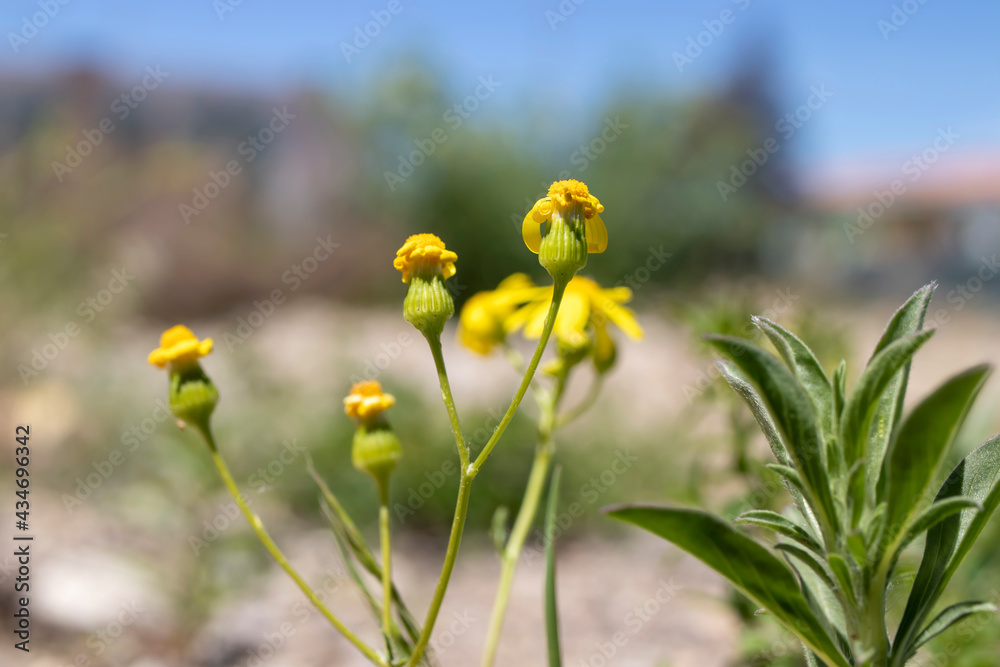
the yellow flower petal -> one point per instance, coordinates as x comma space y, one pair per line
367, 400
424, 252
531, 229
597, 235
178, 344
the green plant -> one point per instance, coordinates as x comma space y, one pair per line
861, 477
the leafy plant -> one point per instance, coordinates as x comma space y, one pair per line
861, 476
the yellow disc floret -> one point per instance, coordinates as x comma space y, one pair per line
367, 401
179, 345
425, 253
563, 196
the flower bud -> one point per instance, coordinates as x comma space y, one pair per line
193, 396
376, 450
426, 263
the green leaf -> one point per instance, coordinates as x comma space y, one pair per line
793, 413
938, 512
950, 617
732, 375
948, 542
779, 524
803, 363
924, 438
842, 573
863, 401
861, 409
808, 559
907, 320
839, 390
750, 567
551, 606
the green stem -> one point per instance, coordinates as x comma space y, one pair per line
558, 289
587, 403
454, 541
449, 400
525, 519
258, 528
383, 520
470, 471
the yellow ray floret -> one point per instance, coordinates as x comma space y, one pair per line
424, 252
483, 322
179, 345
585, 304
563, 195
367, 400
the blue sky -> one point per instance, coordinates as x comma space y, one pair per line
891, 91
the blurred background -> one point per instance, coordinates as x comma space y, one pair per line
249, 169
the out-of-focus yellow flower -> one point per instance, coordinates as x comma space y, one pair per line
425, 253
483, 321
179, 345
562, 198
367, 401
583, 317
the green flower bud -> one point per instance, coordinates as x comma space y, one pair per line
428, 305
376, 450
563, 249
193, 395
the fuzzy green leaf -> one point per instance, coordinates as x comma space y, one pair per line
779, 524
938, 512
907, 320
750, 567
732, 375
948, 542
793, 413
924, 438
950, 617
803, 363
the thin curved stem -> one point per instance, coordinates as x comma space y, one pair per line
258, 528
558, 289
383, 520
525, 519
454, 541
449, 400
588, 402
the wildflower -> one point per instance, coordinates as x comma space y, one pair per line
193, 395
426, 263
582, 320
367, 401
483, 321
178, 345
563, 227
376, 449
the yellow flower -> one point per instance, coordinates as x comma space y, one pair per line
483, 322
583, 317
180, 346
367, 401
425, 253
564, 196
